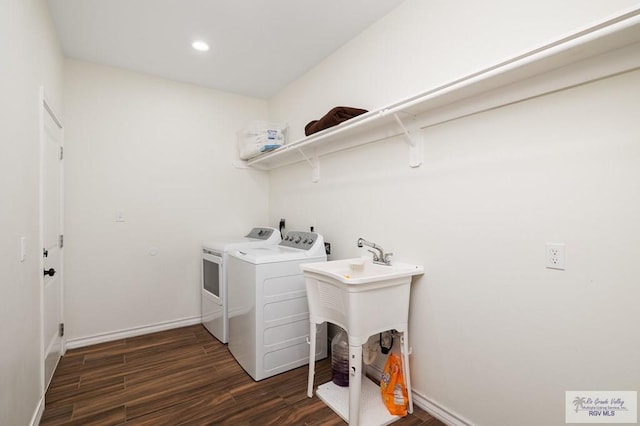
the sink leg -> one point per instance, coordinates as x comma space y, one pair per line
405, 367
312, 358
355, 383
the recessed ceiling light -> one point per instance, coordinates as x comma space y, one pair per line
200, 45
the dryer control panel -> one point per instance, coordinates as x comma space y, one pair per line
300, 240
260, 233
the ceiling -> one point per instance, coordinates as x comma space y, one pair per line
257, 46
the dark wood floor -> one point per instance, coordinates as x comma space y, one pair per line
182, 377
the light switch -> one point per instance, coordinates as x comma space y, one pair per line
23, 248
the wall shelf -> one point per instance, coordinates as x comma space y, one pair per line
607, 48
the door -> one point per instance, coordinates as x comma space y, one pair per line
212, 274
52, 239
213, 295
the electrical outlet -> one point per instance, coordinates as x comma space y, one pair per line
555, 255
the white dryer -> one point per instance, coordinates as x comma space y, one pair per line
268, 308
214, 276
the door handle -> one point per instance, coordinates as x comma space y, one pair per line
51, 272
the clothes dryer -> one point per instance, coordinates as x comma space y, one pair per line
214, 276
268, 308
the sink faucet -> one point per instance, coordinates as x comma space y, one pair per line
380, 257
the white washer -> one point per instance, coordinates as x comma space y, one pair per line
214, 304
269, 326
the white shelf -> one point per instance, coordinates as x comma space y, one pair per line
606, 48
373, 412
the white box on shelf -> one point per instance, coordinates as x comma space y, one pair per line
259, 137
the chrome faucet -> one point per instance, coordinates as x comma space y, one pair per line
380, 257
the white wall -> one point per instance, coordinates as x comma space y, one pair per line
162, 152
31, 58
497, 337
423, 44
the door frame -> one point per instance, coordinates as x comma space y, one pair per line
46, 108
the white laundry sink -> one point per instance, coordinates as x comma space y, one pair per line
360, 296
361, 271
364, 298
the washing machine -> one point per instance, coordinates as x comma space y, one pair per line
215, 309
269, 326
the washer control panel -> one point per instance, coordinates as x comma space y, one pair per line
299, 240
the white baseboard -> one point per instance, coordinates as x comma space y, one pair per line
434, 409
130, 332
37, 415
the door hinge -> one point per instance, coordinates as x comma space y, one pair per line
61, 152
61, 329
61, 241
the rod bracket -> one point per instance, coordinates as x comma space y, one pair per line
314, 162
414, 140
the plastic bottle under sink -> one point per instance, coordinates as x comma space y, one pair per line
340, 359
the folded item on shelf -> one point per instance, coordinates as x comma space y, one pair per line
259, 137
334, 117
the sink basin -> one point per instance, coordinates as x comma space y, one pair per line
360, 296
359, 271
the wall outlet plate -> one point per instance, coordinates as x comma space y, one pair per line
555, 256
23, 248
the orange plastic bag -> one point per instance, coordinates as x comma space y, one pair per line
393, 388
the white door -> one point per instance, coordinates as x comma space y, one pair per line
52, 243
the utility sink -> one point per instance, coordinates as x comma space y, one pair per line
364, 298
362, 271
360, 296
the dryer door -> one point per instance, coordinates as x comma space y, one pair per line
212, 274
213, 299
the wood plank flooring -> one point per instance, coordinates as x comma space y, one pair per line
182, 377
